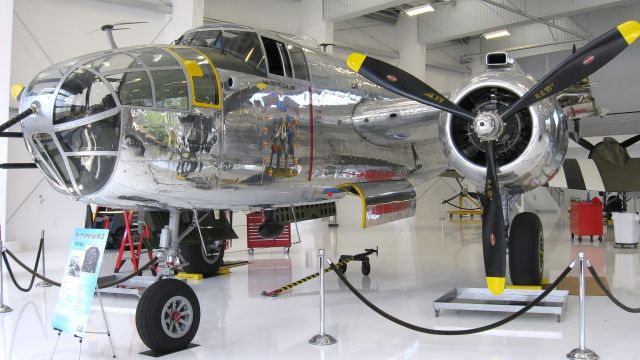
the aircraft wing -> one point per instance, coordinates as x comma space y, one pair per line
598, 175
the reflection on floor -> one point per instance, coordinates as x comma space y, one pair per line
420, 259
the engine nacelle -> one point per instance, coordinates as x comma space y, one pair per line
532, 145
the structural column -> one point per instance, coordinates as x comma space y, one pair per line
187, 14
413, 55
311, 22
6, 34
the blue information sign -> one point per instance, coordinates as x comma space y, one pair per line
79, 280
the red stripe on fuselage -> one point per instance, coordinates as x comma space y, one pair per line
310, 133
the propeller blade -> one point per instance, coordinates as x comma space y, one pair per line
494, 244
625, 144
578, 65
129, 23
114, 29
403, 83
582, 142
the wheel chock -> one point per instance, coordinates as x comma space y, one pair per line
189, 276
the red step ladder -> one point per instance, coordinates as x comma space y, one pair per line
135, 247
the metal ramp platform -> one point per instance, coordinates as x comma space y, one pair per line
510, 301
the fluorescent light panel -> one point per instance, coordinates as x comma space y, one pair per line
419, 10
496, 34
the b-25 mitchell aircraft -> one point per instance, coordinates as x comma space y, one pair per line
231, 118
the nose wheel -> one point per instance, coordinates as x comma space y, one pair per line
168, 316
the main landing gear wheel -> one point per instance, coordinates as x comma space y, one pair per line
526, 249
168, 316
199, 262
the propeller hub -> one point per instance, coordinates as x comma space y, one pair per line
488, 126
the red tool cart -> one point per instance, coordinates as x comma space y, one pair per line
586, 219
254, 240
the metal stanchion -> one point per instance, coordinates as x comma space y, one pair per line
43, 283
322, 338
3, 308
582, 352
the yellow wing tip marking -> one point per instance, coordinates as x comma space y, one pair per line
495, 284
355, 60
16, 90
630, 30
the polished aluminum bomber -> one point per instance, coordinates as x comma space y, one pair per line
545, 149
266, 141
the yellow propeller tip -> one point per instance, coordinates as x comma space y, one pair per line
630, 30
495, 285
355, 60
16, 91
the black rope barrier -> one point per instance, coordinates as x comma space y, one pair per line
452, 332
598, 280
35, 269
55, 283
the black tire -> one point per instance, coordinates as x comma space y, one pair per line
198, 262
155, 309
366, 268
342, 267
526, 249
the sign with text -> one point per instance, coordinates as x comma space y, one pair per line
79, 280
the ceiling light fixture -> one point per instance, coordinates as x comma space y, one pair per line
420, 10
496, 34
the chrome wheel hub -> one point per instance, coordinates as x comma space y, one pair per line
177, 317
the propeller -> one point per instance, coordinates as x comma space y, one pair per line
114, 26
403, 83
630, 141
582, 142
488, 126
578, 65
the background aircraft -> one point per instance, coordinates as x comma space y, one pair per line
233, 118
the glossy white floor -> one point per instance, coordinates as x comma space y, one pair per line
420, 259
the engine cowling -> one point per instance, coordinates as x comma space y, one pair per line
533, 143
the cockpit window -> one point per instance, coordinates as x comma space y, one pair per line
112, 62
205, 84
133, 88
45, 83
101, 135
49, 152
278, 57
299, 63
171, 89
91, 173
153, 56
205, 38
82, 94
244, 45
